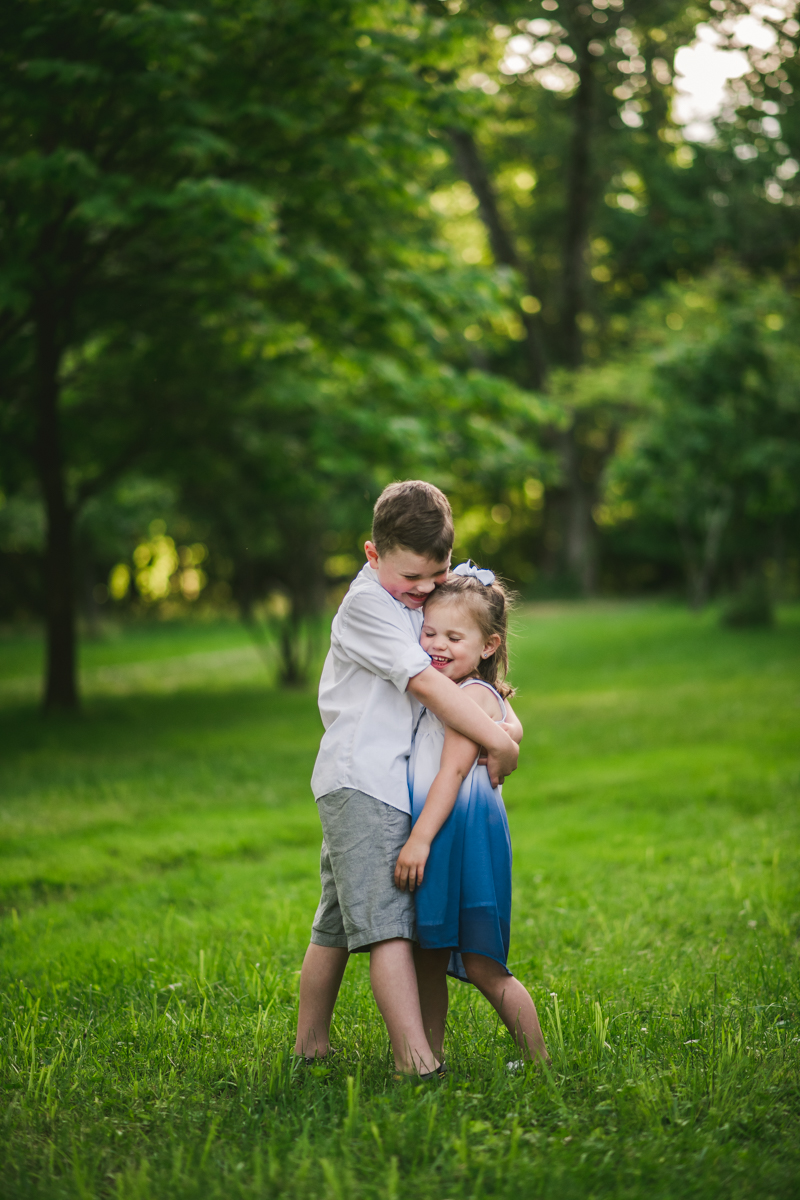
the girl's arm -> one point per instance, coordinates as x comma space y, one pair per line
458, 755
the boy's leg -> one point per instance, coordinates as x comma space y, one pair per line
362, 908
320, 979
323, 967
431, 966
394, 985
511, 1001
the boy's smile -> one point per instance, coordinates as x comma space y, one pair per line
407, 576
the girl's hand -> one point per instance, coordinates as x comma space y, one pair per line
410, 867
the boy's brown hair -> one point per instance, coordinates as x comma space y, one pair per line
413, 515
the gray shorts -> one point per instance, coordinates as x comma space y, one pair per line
360, 903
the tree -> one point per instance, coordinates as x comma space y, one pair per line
590, 191
286, 495
207, 213
712, 467
122, 168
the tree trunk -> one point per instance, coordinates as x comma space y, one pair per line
471, 167
580, 532
579, 527
692, 566
60, 684
578, 211
700, 562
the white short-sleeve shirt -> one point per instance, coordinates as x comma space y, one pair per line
367, 713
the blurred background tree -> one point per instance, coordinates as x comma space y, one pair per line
258, 259
710, 472
192, 197
590, 190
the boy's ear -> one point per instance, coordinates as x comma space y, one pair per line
371, 551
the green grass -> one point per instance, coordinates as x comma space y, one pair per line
158, 876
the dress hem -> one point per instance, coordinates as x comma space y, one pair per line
460, 951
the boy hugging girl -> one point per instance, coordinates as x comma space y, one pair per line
416, 854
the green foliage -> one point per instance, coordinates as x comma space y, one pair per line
751, 607
217, 274
159, 877
646, 204
196, 192
715, 457
585, 184
621, 209
257, 259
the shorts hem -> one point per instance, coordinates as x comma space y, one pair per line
335, 941
363, 940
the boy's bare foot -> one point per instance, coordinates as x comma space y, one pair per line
437, 1073
312, 1060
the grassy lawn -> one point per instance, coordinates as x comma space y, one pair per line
158, 876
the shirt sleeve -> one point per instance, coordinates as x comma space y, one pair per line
379, 639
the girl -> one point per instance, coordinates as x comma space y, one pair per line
458, 857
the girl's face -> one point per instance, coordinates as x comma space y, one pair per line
450, 634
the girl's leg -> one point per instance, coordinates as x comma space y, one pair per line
431, 968
512, 1002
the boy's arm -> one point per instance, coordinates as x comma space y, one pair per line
512, 724
455, 709
458, 755
513, 728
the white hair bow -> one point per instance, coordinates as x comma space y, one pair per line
469, 568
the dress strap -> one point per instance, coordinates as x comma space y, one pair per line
494, 691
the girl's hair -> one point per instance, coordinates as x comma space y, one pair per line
489, 604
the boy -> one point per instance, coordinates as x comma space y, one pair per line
374, 680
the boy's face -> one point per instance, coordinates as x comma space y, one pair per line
407, 576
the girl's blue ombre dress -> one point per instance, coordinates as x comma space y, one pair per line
464, 902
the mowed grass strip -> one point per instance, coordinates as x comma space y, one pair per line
158, 876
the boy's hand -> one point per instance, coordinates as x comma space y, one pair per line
410, 867
514, 731
502, 762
